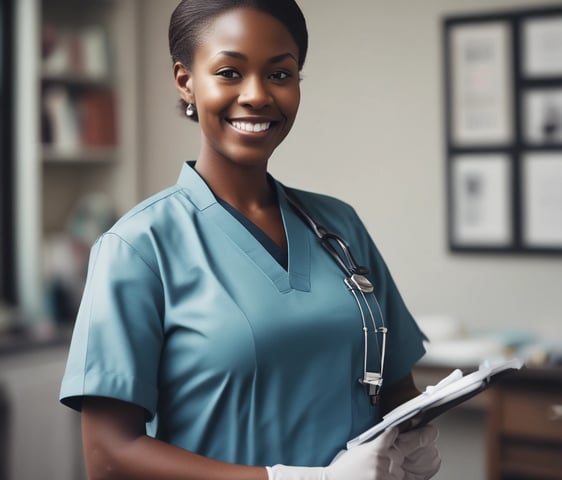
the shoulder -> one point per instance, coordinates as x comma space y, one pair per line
156, 215
316, 199
332, 212
145, 227
149, 211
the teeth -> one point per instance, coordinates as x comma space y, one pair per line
251, 127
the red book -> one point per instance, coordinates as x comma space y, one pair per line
98, 118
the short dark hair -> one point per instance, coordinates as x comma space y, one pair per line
190, 17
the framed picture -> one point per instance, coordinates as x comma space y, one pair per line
503, 131
480, 68
542, 200
542, 46
481, 200
542, 116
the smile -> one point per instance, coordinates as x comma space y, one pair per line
251, 127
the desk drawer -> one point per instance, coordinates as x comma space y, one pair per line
529, 460
532, 414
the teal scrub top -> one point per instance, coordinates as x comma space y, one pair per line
233, 357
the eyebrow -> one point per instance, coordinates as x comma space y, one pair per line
241, 56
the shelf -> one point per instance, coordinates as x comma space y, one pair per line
78, 80
78, 124
87, 156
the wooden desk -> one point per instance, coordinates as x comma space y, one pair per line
523, 421
525, 426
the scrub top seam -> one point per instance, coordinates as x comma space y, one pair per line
254, 346
137, 254
88, 329
148, 203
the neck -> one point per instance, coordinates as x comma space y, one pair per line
246, 188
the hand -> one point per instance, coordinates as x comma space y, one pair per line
421, 457
378, 459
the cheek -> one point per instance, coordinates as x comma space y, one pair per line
288, 100
213, 97
291, 103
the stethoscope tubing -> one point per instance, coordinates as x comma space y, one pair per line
355, 280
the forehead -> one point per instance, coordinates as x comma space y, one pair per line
248, 31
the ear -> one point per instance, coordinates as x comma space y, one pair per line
184, 82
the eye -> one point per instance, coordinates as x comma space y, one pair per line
228, 73
280, 75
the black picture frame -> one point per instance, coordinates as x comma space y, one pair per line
7, 164
503, 130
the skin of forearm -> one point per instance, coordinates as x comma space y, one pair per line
148, 458
116, 447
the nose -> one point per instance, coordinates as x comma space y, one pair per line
255, 93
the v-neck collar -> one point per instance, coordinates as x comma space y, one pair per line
297, 276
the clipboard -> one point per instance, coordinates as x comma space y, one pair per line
435, 400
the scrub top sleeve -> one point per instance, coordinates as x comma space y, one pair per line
404, 339
117, 339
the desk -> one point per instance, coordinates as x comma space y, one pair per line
43, 437
525, 426
523, 415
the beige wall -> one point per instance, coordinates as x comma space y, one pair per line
370, 130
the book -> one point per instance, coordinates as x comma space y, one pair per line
435, 400
98, 118
61, 126
82, 52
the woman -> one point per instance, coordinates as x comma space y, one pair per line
213, 312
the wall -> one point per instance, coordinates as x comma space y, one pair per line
370, 130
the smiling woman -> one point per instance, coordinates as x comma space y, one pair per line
212, 311
244, 76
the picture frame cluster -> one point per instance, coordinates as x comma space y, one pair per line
503, 130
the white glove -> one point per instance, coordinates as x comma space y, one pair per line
421, 457
378, 459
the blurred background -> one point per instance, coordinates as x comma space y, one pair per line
89, 126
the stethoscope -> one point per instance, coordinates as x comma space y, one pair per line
356, 281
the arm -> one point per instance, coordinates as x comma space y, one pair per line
116, 447
398, 393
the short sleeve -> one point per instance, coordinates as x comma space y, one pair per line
118, 335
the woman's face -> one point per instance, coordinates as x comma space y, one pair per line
245, 83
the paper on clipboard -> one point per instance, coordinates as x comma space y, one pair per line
437, 399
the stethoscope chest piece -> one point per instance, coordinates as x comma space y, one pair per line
374, 380
359, 282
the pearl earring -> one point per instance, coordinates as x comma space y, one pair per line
190, 110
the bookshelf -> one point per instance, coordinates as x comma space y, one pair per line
78, 90
77, 126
